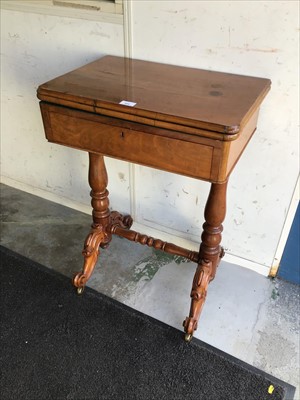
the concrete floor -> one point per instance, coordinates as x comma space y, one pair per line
246, 315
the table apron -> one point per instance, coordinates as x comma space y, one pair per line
180, 153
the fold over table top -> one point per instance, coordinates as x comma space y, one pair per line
163, 95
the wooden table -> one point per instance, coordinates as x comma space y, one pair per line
183, 120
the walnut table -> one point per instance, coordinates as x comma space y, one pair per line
183, 120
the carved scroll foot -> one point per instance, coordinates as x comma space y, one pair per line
201, 280
90, 253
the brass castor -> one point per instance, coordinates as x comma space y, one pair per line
188, 337
80, 290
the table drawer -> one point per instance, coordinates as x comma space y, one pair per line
78, 130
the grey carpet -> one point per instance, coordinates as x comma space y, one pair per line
57, 345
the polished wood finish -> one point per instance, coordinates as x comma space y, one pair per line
155, 243
210, 253
214, 101
78, 129
208, 159
98, 235
184, 120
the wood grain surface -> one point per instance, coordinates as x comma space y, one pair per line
163, 93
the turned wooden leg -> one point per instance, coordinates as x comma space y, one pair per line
209, 255
99, 234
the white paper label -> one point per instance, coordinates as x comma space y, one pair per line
127, 103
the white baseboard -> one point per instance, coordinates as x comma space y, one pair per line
230, 258
243, 262
46, 195
286, 229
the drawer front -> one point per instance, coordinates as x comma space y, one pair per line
76, 130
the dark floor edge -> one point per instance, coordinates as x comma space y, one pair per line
289, 389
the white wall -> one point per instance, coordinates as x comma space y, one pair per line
37, 48
245, 37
